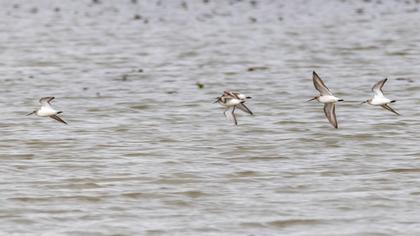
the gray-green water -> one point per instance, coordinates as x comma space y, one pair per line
148, 153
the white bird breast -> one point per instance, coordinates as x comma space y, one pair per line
241, 96
232, 102
328, 99
379, 100
46, 111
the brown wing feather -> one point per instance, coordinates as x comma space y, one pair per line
231, 94
46, 99
244, 108
329, 110
319, 84
387, 107
379, 85
57, 118
234, 116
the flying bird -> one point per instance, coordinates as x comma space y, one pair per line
327, 98
46, 110
233, 99
379, 99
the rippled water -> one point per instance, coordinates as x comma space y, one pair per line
146, 152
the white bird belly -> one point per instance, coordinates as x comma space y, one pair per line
46, 112
241, 96
378, 101
328, 99
232, 102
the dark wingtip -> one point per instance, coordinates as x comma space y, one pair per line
315, 75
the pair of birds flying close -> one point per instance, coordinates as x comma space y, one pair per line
329, 99
232, 99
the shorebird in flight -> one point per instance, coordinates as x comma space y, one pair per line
232, 99
47, 110
379, 99
327, 98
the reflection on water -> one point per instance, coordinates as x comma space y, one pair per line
146, 151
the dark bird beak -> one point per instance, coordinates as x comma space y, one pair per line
311, 99
30, 113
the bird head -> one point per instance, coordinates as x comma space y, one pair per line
217, 99
367, 101
33, 112
316, 97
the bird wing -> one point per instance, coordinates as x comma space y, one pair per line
226, 99
319, 85
57, 118
234, 116
230, 114
46, 100
244, 108
387, 107
329, 110
231, 94
377, 88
